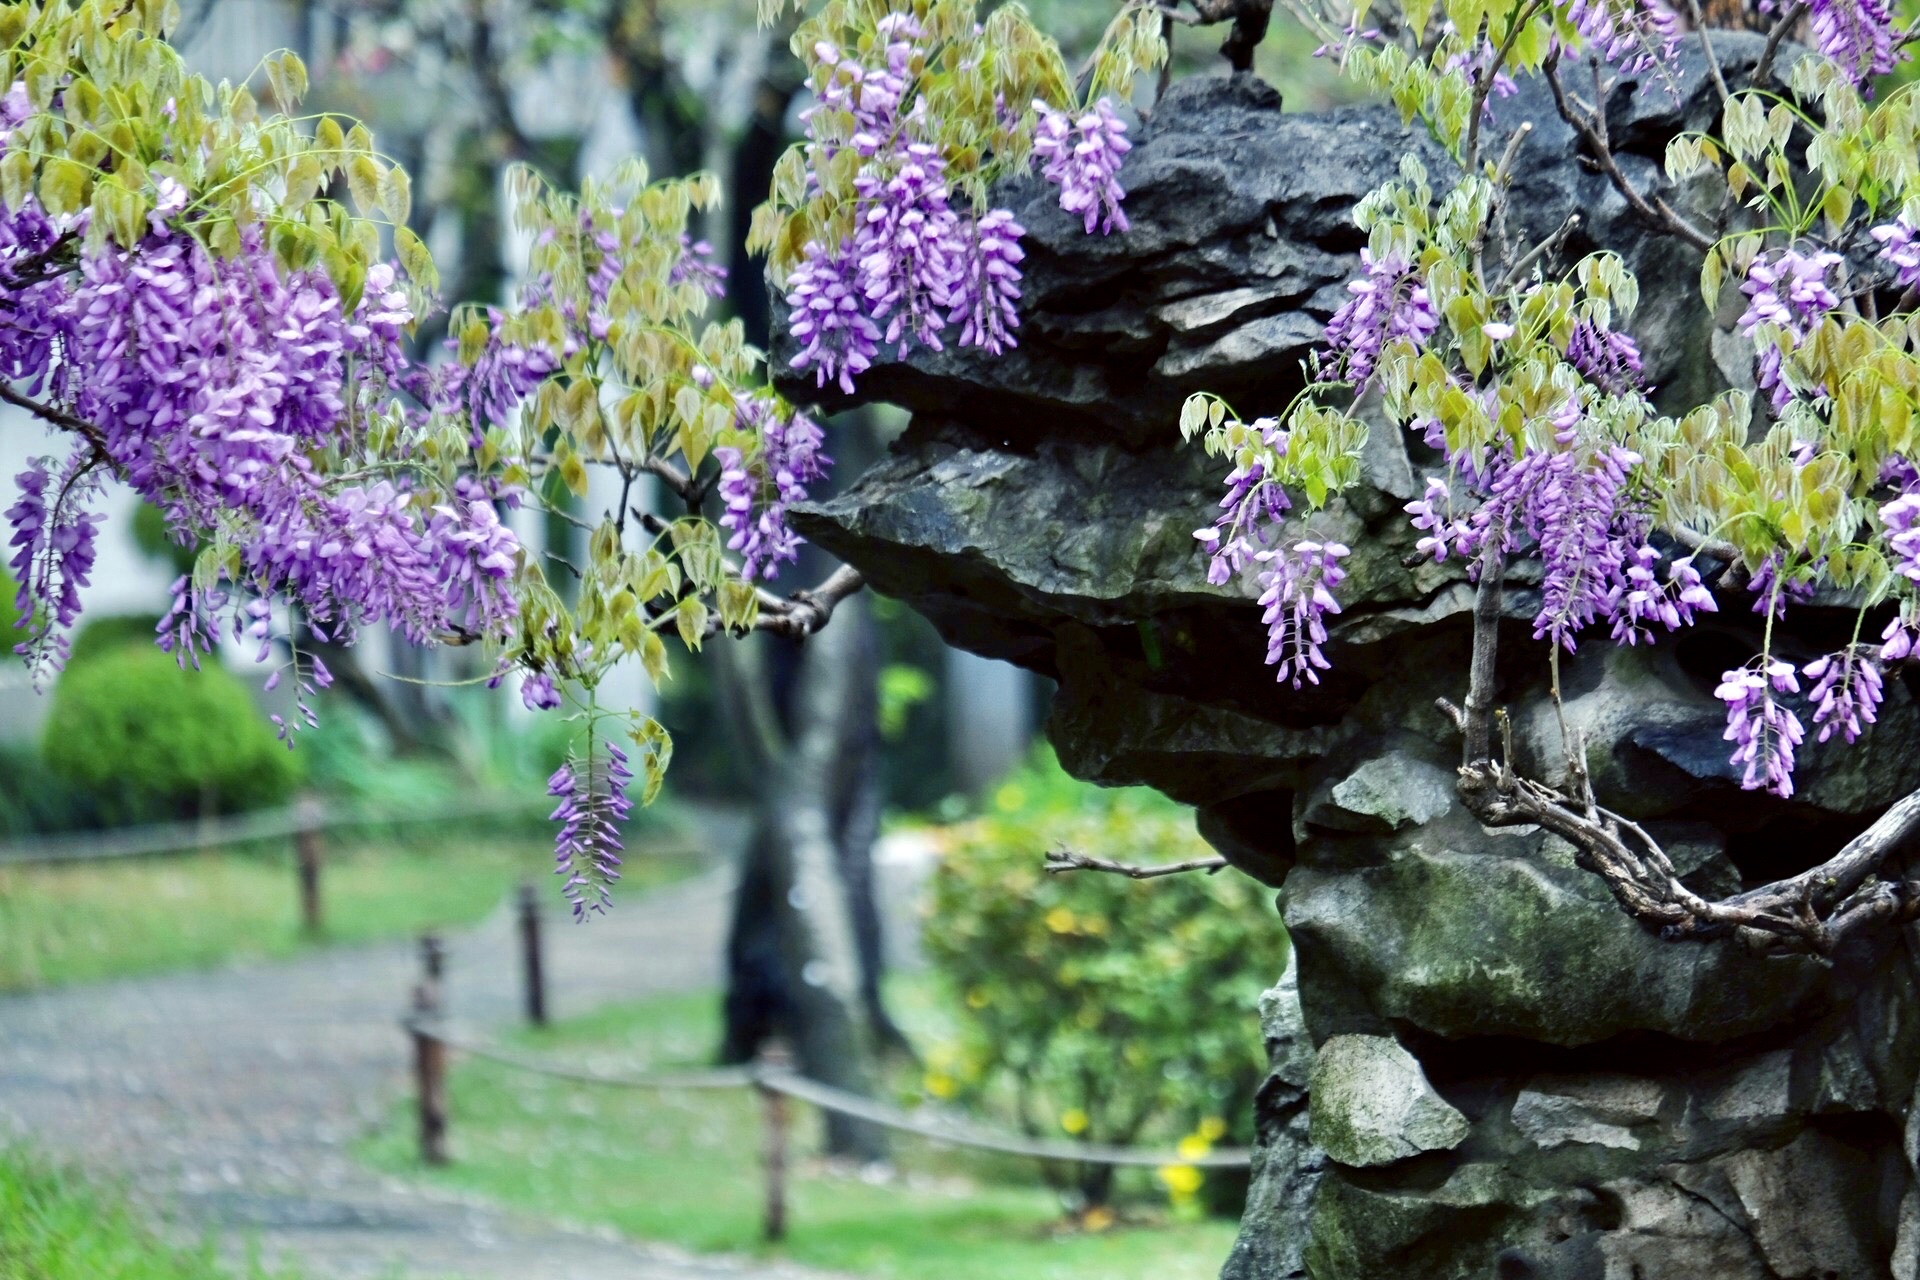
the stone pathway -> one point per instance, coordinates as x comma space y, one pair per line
229, 1099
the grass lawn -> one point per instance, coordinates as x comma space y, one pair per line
683, 1168
80, 922
57, 1226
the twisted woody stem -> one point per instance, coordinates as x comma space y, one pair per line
1813, 911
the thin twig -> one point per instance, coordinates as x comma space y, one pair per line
1706, 47
1539, 251
1063, 860
1788, 21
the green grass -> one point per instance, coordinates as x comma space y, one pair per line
81, 923
683, 1168
57, 1226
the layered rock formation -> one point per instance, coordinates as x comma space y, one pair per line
1483, 1067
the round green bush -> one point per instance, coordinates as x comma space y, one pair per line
109, 631
1095, 1006
152, 741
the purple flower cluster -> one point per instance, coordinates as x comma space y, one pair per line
757, 518
53, 554
1634, 35
1608, 359
1637, 599
1570, 502
696, 264
1389, 304
1846, 693
828, 318
1787, 294
211, 382
984, 303
1901, 248
1297, 595
1901, 520
914, 264
904, 246
1855, 35
1250, 513
539, 693
586, 849
1082, 157
1764, 731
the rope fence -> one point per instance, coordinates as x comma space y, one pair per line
772, 1076
308, 816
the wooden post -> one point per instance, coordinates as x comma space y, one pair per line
309, 852
430, 1054
533, 963
774, 1118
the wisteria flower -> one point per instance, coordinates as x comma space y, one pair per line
1297, 595
1389, 304
1847, 691
1764, 731
1082, 157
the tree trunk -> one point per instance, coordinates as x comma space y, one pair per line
793, 875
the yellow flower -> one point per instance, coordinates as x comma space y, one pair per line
1060, 920
1213, 1128
1180, 1180
1074, 1120
1193, 1146
939, 1084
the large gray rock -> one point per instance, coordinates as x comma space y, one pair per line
1604, 1102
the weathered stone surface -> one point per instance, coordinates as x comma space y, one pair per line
1287, 1167
1615, 1104
1596, 1110
1370, 1104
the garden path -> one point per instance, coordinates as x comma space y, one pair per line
229, 1099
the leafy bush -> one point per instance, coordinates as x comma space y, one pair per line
1108, 1009
110, 631
152, 741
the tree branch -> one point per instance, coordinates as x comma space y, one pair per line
58, 417
1063, 860
1477, 720
1788, 21
1658, 211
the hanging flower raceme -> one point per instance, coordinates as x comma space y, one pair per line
1607, 359
53, 553
986, 288
1638, 599
1389, 304
1254, 505
1787, 295
539, 693
755, 511
1847, 691
1901, 250
1082, 157
906, 245
1297, 595
1634, 35
829, 321
1857, 36
1764, 731
593, 804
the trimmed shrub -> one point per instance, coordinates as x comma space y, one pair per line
151, 741
1094, 1006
